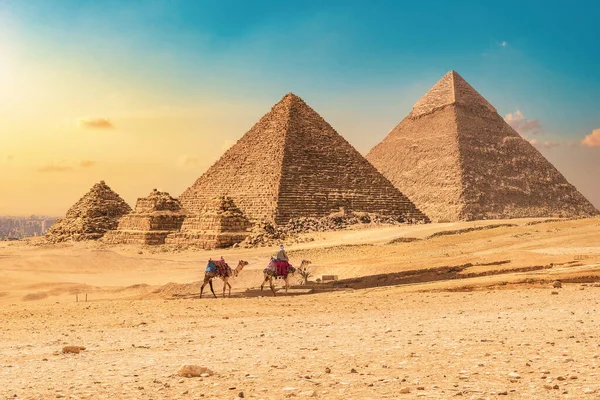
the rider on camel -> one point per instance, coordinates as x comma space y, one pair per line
282, 255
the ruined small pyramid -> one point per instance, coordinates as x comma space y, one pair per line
155, 217
97, 212
219, 224
291, 164
457, 159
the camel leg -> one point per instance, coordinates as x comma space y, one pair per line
224, 286
202, 287
272, 285
211, 288
229, 284
287, 284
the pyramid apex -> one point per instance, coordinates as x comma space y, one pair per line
290, 97
451, 89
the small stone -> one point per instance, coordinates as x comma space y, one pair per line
405, 390
503, 393
327, 370
420, 387
192, 371
308, 393
514, 375
554, 292
241, 395
353, 371
589, 391
557, 284
72, 349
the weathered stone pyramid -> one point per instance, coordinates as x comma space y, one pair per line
155, 217
292, 163
219, 224
97, 212
457, 159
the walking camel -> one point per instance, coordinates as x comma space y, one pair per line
224, 274
269, 274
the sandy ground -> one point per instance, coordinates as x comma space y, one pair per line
468, 314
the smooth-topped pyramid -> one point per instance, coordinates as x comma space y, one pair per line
292, 163
457, 159
155, 217
97, 212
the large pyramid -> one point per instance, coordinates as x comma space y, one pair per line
457, 159
292, 163
97, 212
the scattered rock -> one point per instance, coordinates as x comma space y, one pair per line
72, 349
557, 284
405, 390
327, 370
194, 371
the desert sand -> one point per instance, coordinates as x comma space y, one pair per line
434, 311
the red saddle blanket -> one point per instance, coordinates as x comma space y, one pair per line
281, 267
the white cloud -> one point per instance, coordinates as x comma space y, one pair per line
593, 139
521, 124
547, 144
95, 123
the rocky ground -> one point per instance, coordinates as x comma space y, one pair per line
382, 343
504, 332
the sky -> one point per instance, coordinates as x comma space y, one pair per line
148, 94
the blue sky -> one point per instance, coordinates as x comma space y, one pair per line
360, 64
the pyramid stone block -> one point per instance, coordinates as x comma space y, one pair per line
291, 164
457, 159
97, 212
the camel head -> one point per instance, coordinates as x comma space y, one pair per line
240, 267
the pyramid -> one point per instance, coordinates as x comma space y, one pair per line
155, 217
457, 159
97, 212
220, 224
291, 164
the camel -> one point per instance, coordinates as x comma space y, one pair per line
209, 276
269, 277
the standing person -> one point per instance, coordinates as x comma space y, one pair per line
282, 255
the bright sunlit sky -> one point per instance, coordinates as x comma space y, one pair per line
148, 94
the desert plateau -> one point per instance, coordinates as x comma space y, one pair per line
469, 309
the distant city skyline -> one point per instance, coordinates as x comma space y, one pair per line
149, 94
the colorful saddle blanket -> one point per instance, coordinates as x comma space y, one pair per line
279, 268
221, 268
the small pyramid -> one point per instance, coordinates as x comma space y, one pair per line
457, 159
97, 212
155, 217
219, 224
291, 164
